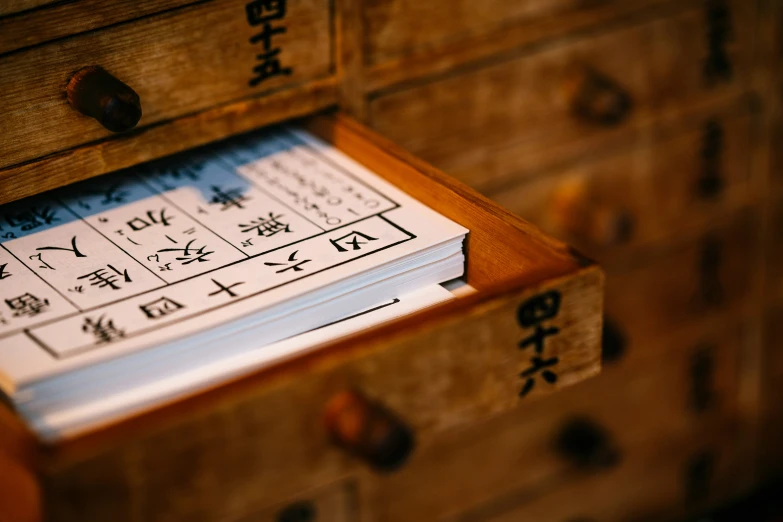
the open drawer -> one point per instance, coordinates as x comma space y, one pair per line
235, 450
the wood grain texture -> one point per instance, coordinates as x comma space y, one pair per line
214, 462
180, 62
165, 139
646, 193
15, 6
688, 279
66, 19
457, 124
669, 478
516, 454
406, 37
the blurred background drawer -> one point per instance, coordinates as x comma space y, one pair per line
580, 89
648, 192
39, 21
691, 278
399, 27
585, 431
661, 479
178, 62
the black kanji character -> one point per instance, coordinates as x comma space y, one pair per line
538, 364
263, 11
269, 67
104, 330
228, 199
27, 305
152, 218
197, 254
32, 218
267, 226
352, 239
75, 249
227, 289
3, 273
160, 307
101, 279
292, 258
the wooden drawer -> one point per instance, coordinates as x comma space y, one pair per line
236, 450
586, 88
400, 27
647, 193
541, 446
178, 62
666, 478
694, 278
39, 21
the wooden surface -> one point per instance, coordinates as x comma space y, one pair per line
478, 140
645, 193
179, 63
64, 19
164, 139
699, 469
515, 454
400, 27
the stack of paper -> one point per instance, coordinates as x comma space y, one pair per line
136, 287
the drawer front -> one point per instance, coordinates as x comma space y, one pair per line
663, 480
255, 446
584, 431
710, 275
484, 124
647, 193
179, 62
399, 27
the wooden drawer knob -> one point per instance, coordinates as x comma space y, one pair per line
613, 342
586, 444
368, 430
597, 99
578, 216
96, 93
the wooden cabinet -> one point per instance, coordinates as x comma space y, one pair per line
583, 89
643, 132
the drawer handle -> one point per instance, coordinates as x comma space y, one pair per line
587, 445
368, 430
96, 93
613, 342
598, 99
590, 222
302, 511
699, 471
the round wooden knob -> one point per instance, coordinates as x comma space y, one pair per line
578, 216
96, 93
613, 342
368, 430
596, 98
302, 511
587, 445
